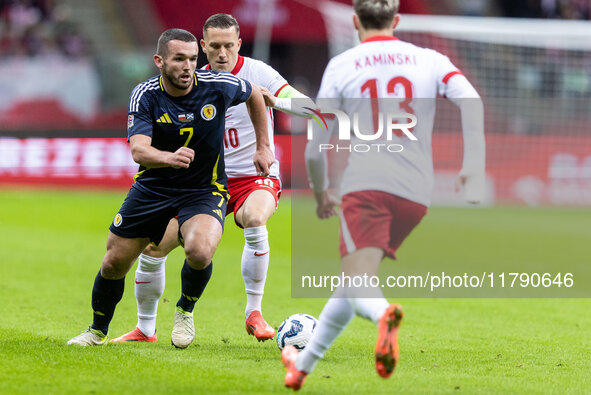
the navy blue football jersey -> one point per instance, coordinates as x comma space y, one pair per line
196, 120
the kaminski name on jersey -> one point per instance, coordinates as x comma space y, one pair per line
385, 67
396, 59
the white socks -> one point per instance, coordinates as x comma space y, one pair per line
149, 286
336, 315
254, 265
370, 308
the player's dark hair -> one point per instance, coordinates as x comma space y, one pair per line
173, 34
376, 14
221, 21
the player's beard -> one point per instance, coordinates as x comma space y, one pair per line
175, 81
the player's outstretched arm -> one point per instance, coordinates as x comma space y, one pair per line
290, 101
326, 203
144, 154
472, 175
263, 157
317, 168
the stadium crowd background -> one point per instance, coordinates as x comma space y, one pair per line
114, 46
39, 27
67, 67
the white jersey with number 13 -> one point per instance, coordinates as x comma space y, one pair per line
385, 67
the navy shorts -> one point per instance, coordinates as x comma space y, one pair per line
146, 213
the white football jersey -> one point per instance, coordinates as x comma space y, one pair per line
239, 136
385, 67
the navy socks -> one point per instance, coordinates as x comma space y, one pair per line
105, 296
193, 284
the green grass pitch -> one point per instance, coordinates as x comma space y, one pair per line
52, 244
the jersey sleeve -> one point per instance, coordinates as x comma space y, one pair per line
237, 93
456, 87
330, 95
444, 71
139, 119
269, 78
329, 85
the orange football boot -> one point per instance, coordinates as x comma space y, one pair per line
293, 378
387, 353
135, 336
257, 326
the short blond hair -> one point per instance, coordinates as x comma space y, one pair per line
221, 21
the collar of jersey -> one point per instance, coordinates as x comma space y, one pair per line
236, 69
162, 85
379, 38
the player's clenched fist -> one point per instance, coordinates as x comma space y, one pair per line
263, 159
326, 201
182, 158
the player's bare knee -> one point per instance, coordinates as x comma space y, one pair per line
252, 220
199, 263
112, 269
198, 257
154, 251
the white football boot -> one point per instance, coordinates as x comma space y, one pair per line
183, 331
90, 337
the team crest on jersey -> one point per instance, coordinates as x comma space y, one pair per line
118, 220
208, 112
129, 121
188, 117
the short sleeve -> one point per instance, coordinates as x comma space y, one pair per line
139, 119
239, 92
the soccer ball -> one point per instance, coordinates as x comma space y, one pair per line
296, 330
